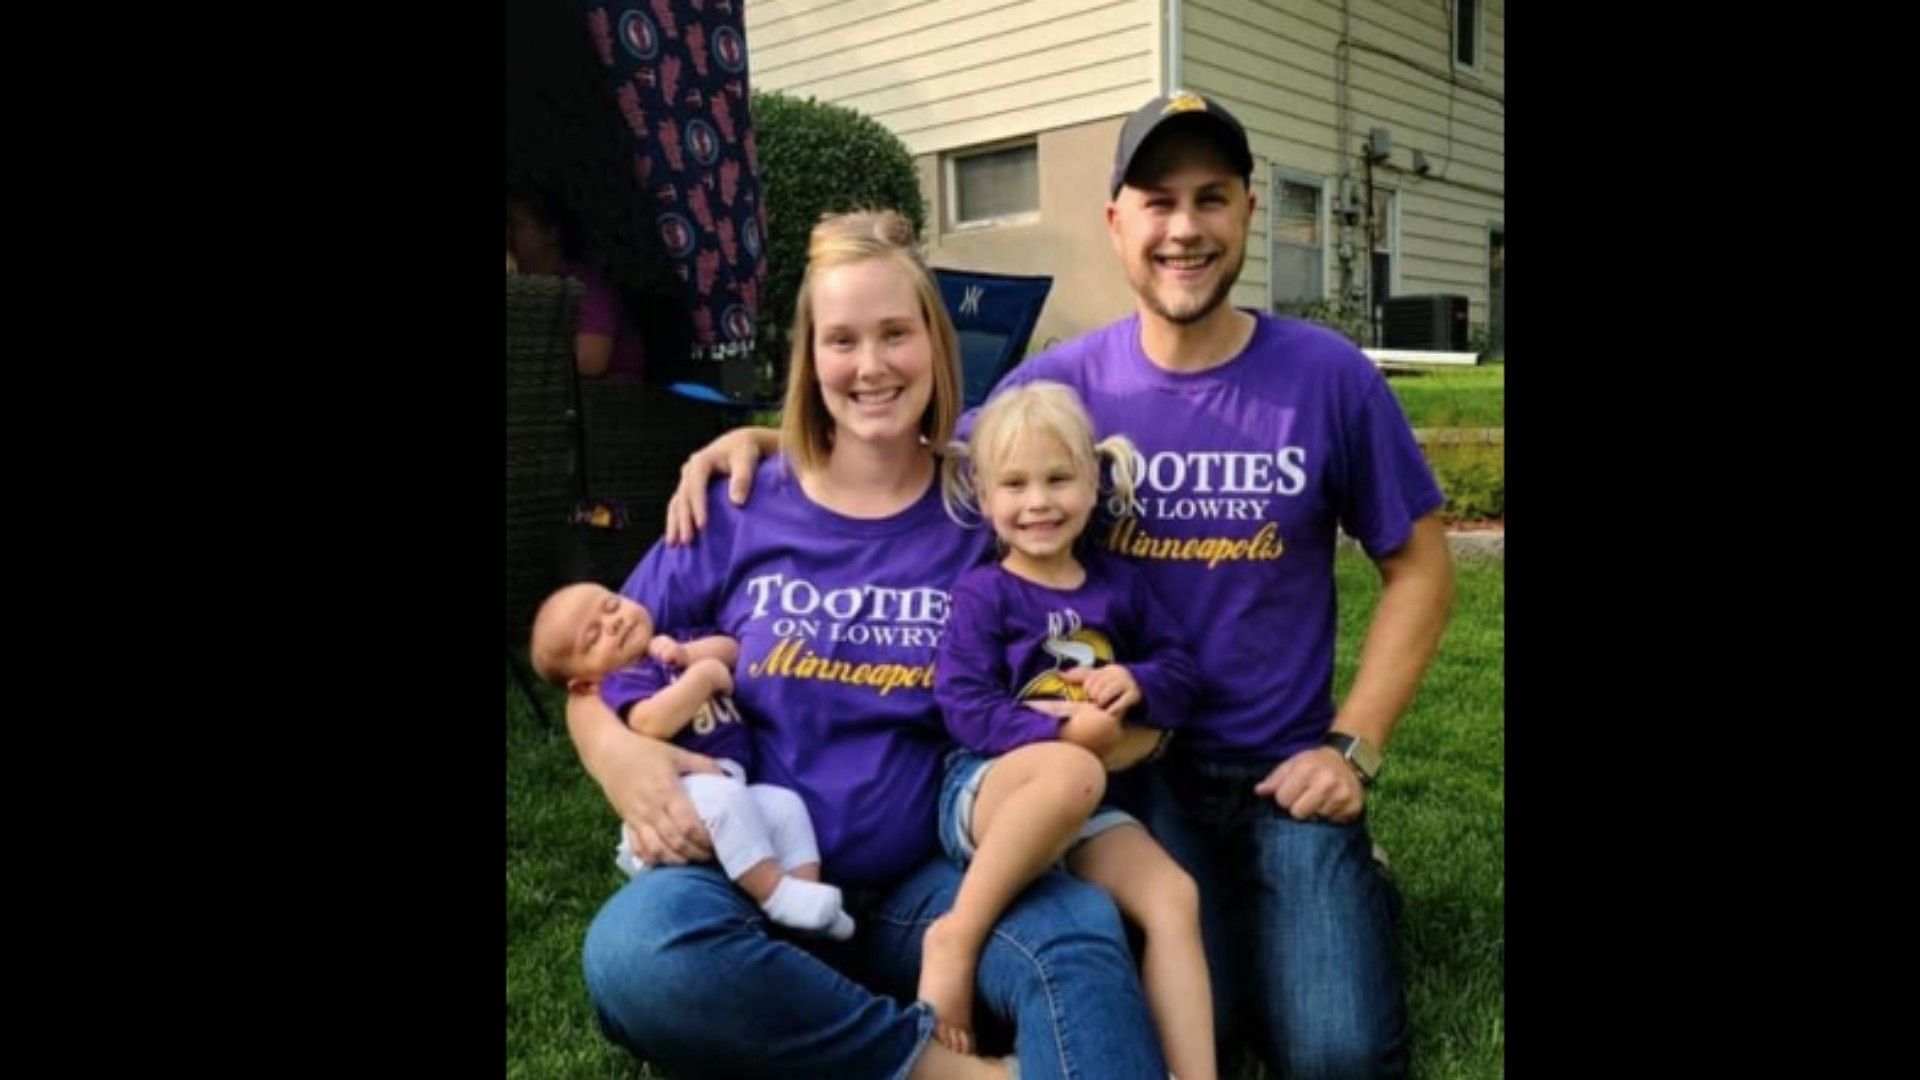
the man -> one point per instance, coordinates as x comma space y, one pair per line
1258, 436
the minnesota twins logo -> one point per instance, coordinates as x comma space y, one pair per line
970, 300
638, 36
750, 236
704, 143
728, 50
738, 324
676, 232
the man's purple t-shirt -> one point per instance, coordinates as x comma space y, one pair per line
837, 619
601, 312
1008, 638
1248, 467
716, 730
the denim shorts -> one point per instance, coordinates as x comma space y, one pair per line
964, 771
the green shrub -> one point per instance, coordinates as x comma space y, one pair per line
818, 159
1479, 339
1332, 314
1474, 478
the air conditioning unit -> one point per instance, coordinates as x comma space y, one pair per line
1438, 323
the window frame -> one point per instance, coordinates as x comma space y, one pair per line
950, 167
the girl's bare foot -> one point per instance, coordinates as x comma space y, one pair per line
937, 1062
947, 962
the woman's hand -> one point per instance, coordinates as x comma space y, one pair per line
641, 779
644, 787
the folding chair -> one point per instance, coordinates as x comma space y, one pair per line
995, 315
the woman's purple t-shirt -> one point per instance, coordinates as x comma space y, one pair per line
838, 619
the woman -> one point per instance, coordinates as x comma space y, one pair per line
606, 342
836, 588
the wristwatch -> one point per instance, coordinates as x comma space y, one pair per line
1360, 754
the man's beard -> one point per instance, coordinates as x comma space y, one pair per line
1213, 300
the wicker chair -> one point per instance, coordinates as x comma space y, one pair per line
541, 434
626, 448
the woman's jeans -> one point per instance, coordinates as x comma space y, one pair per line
685, 971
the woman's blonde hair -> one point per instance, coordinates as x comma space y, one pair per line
1036, 408
806, 428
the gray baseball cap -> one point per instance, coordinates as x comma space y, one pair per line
1186, 109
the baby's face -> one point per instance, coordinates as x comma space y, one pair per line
596, 631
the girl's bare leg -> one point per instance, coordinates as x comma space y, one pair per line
1030, 804
1156, 894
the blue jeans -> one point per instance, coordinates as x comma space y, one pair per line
1298, 921
685, 971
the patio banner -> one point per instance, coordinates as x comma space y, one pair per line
679, 73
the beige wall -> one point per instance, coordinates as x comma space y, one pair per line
1068, 242
947, 75
953, 73
1273, 62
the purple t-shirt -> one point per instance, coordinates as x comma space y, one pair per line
1247, 469
716, 730
837, 619
1009, 638
601, 312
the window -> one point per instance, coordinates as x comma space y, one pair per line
1297, 264
1383, 234
1497, 289
1466, 34
994, 187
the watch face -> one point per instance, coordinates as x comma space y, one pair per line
1358, 751
1366, 757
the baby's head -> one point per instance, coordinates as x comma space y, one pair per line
584, 632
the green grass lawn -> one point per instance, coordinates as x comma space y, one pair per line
1462, 397
1438, 810
1473, 474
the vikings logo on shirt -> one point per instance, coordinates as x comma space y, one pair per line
638, 36
1082, 648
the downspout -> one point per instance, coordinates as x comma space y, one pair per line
1343, 136
1366, 245
1170, 47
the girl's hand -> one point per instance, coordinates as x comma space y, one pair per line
1112, 687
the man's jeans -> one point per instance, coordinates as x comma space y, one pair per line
1297, 918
